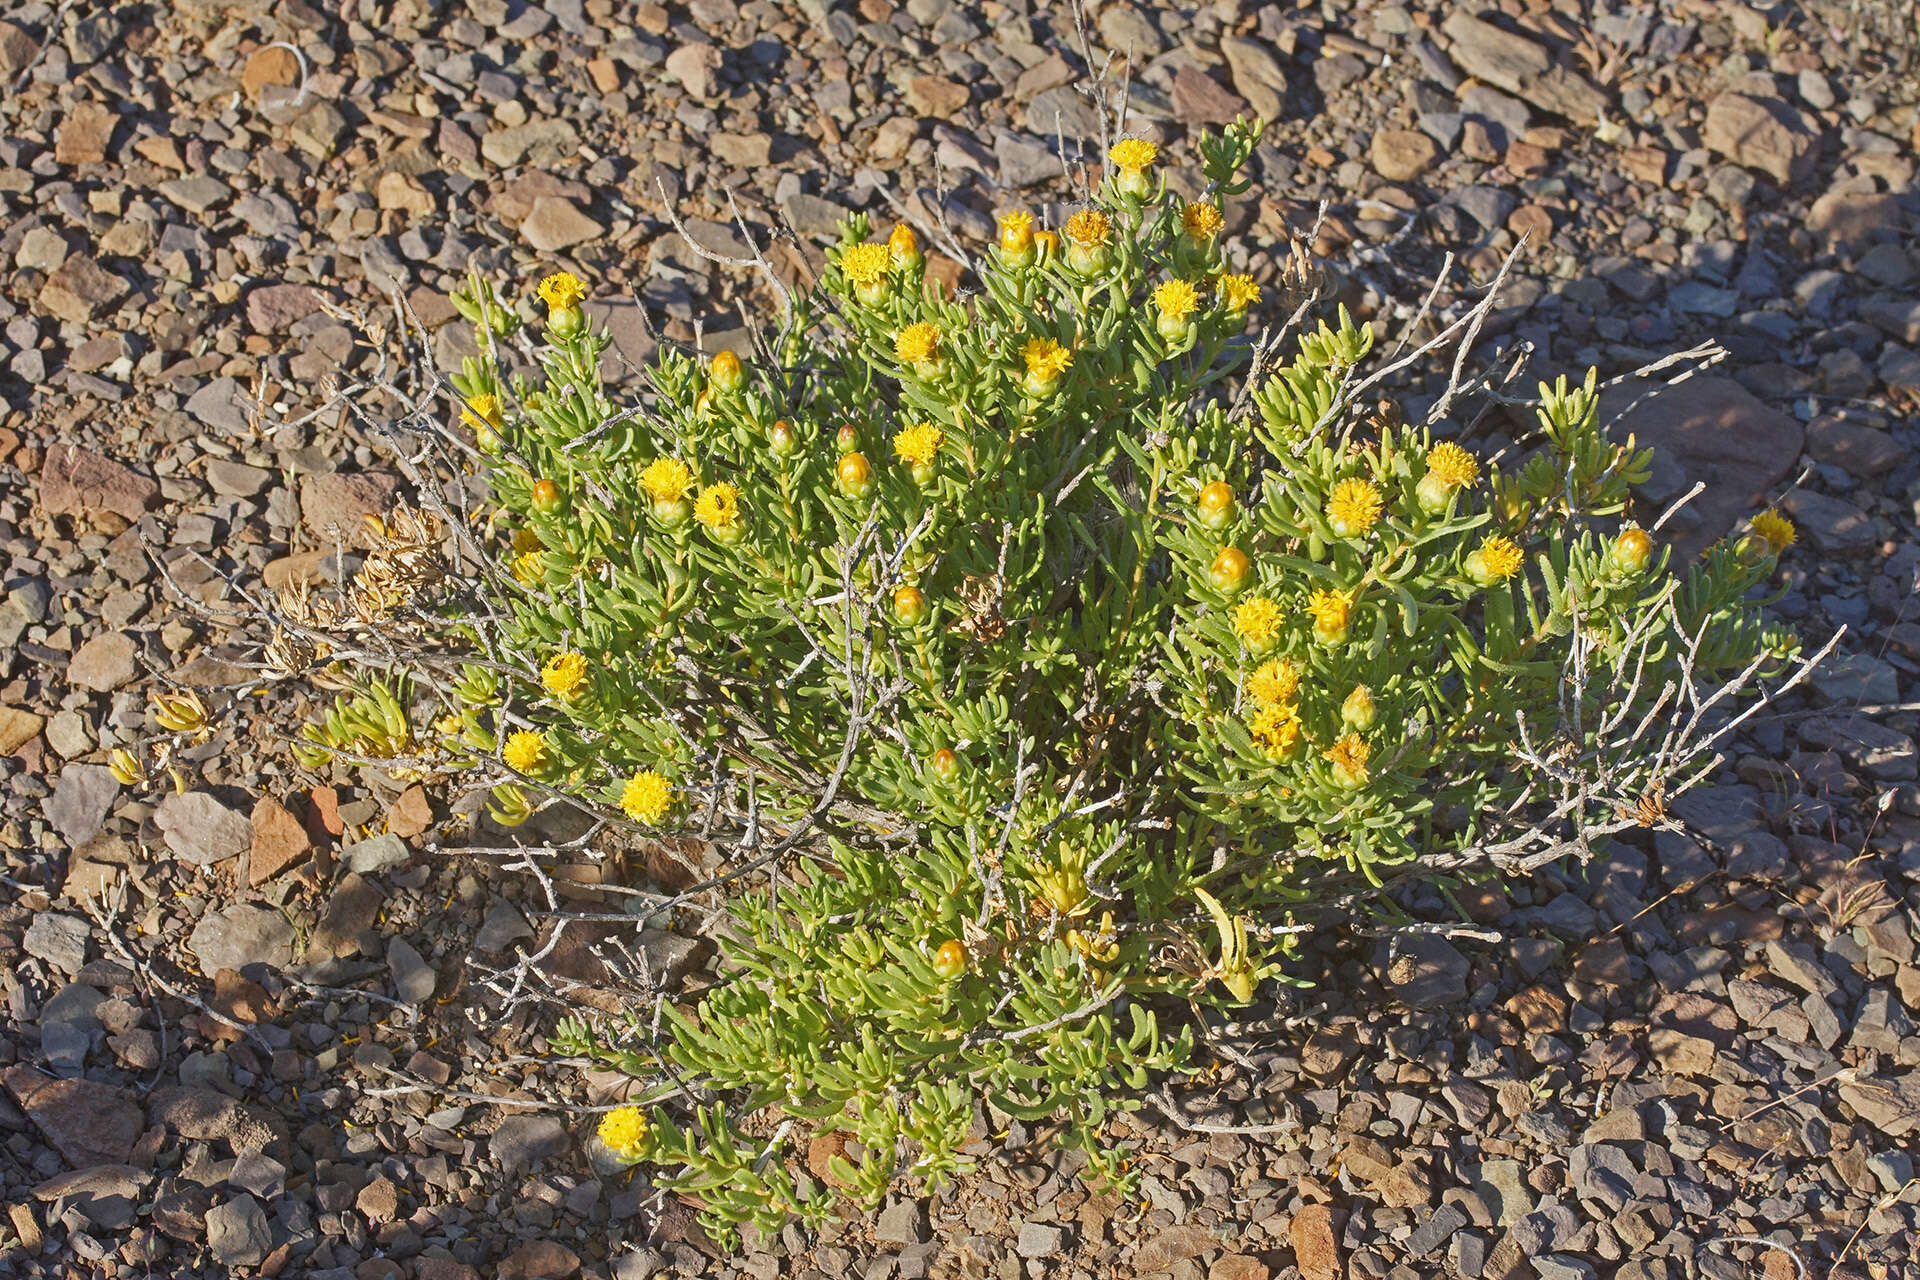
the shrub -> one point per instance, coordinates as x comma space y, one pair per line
1054, 655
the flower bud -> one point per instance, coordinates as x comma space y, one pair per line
1631, 551
780, 439
564, 324
1016, 238
950, 961
726, 373
910, 605
1046, 244
1229, 570
905, 248
846, 439
1433, 494
854, 475
1358, 711
945, 764
1217, 507
547, 498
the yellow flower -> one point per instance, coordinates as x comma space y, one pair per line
625, 1132
866, 263
718, 506
1237, 293
562, 290
1089, 229
1201, 221
1256, 620
526, 751
1046, 359
1330, 610
917, 343
1349, 757
1499, 558
482, 411
564, 675
1452, 465
1132, 154
1176, 299
528, 568
525, 540
1273, 682
1016, 232
667, 479
1353, 507
1276, 729
1775, 530
647, 797
917, 445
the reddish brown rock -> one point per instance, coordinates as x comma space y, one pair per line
80, 290
1770, 135
88, 1123
83, 136
275, 308
80, 482
343, 500
540, 1260
1200, 99
1314, 1249
279, 841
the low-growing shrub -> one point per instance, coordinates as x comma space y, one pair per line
1044, 659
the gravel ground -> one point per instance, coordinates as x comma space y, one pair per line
275, 1050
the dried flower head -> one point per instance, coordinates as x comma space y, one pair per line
1452, 465
1132, 154
1237, 293
1257, 621
526, 751
917, 342
1089, 229
1353, 507
667, 479
646, 797
1201, 221
1349, 754
866, 263
1775, 530
718, 506
1274, 681
1176, 299
917, 445
563, 290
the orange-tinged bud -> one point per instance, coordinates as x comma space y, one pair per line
950, 961
1631, 550
904, 246
726, 371
910, 605
1216, 505
846, 439
781, 440
547, 498
946, 764
854, 475
1229, 570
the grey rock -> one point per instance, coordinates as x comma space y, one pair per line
1564, 1266
503, 926
1867, 745
60, 940
1025, 162
237, 1232
107, 1195
1436, 1230
1427, 971
813, 217
201, 830
240, 936
524, 1141
413, 977
902, 1222
222, 405
258, 1175
1039, 1240
381, 853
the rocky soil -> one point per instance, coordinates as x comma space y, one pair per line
250, 1025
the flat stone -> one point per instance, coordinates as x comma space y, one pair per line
1171, 1246
1427, 972
555, 223
59, 940
1830, 524
81, 291
80, 801
87, 1122
237, 479
1401, 155
342, 501
1314, 1248
18, 727
1717, 432
197, 193
936, 96
539, 1260
79, 482
903, 1222
376, 854
201, 830
1769, 135
223, 405
279, 840
413, 977
241, 936
201, 1113
1852, 222
107, 1195
1200, 99
83, 136
276, 308
238, 1234
521, 1142
103, 663
503, 926
1858, 450
1890, 1104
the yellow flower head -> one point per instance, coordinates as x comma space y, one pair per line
1201, 221
718, 506
1353, 507
525, 540
866, 263
667, 479
1452, 465
1276, 728
1350, 754
1273, 682
1089, 229
625, 1132
528, 568
1256, 620
1016, 231
917, 342
1330, 610
1046, 359
1238, 292
1176, 299
646, 797
1501, 557
562, 290
1775, 530
482, 411
564, 675
1132, 154
917, 445
526, 751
